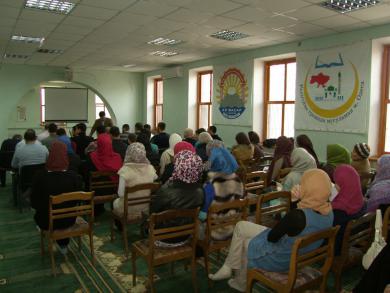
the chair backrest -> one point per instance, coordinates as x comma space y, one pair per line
226, 219
27, 174
323, 254
359, 233
386, 223
101, 181
272, 204
83, 206
138, 199
188, 229
255, 181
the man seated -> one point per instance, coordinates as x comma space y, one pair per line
81, 140
31, 153
213, 132
6, 153
131, 138
125, 132
189, 136
102, 121
117, 144
45, 133
161, 139
52, 128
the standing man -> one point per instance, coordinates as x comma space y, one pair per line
103, 121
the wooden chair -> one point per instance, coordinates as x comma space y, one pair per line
301, 275
266, 211
125, 218
155, 255
80, 227
104, 187
254, 184
208, 244
357, 239
386, 224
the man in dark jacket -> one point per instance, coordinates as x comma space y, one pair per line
6, 153
161, 139
117, 143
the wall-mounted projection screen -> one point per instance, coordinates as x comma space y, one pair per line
66, 104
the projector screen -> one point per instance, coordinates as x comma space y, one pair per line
66, 104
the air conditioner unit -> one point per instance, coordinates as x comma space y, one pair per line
173, 72
68, 76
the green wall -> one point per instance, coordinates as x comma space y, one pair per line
176, 89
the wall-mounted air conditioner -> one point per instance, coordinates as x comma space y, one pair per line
173, 72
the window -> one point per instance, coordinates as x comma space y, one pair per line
279, 98
384, 130
158, 101
204, 94
43, 104
100, 106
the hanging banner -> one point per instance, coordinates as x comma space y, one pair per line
232, 101
332, 89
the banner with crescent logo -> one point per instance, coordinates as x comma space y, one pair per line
332, 89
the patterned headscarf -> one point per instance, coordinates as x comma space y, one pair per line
183, 145
136, 153
187, 167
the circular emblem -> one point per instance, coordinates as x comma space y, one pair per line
232, 93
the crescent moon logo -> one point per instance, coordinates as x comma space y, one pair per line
332, 113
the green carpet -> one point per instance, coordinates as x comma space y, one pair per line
22, 269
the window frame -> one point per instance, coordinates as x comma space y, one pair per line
102, 104
199, 102
384, 100
155, 103
267, 102
42, 105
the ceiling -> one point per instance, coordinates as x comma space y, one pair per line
107, 34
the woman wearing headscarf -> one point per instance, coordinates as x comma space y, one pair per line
281, 160
255, 141
152, 155
203, 139
136, 170
168, 154
223, 185
55, 180
256, 246
379, 191
301, 161
303, 141
349, 202
359, 156
243, 150
336, 154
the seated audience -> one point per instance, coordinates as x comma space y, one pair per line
7, 150
81, 140
189, 136
199, 131
93, 145
136, 170
148, 127
56, 180
101, 121
336, 154
243, 150
52, 128
213, 132
61, 136
125, 132
255, 141
281, 160
349, 202
223, 185
269, 146
161, 139
131, 138
167, 155
74, 159
379, 191
144, 138
359, 156
203, 139
45, 133
138, 127
303, 141
183, 190
30, 153
117, 143
301, 161
256, 246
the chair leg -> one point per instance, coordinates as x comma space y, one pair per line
206, 264
134, 266
42, 243
92, 249
193, 269
124, 235
151, 275
53, 266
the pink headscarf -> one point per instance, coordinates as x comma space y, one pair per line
104, 158
350, 197
183, 145
187, 167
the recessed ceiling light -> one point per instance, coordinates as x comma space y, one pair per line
50, 51
164, 53
27, 39
344, 6
228, 35
15, 56
56, 6
164, 41
129, 65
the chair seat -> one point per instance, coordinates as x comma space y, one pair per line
305, 275
131, 218
79, 225
159, 252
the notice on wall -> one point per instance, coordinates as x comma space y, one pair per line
232, 100
332, 89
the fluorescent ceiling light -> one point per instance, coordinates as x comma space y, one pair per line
129, 65
164, 41
50, 51
228, 35
56, 6
344, 6
27, 39
15, 56
164, 53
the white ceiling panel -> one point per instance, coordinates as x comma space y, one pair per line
65, 37
222, 22
279, 5
109, 4
311, 12
378, 11
153, 8
117, 27
8, 11
277, 21
161, 27
248, 14
93, 12
33, 29
336, 21
214, 6
7, 21
83, 22
57, 44
71, 29
33, 15
188, 16
252, 29
126, 17
12, 3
